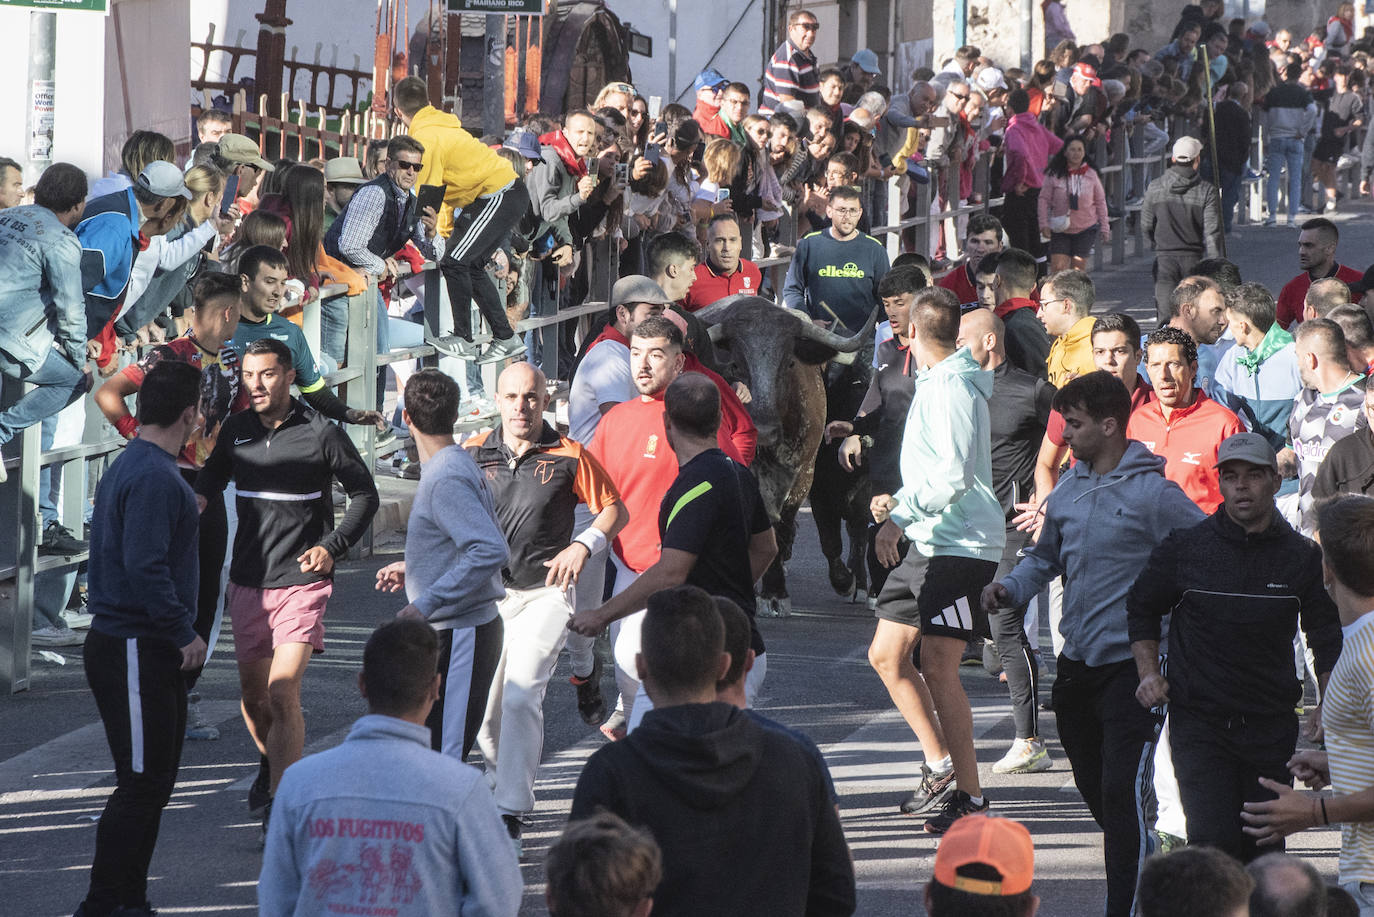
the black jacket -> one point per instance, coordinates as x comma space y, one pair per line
883, 416
285, 502
1018, 410
1181, 214
1236, 600
741, 813
1348, 468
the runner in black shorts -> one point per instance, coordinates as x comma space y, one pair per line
948, 508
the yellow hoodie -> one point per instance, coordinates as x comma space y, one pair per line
455, 158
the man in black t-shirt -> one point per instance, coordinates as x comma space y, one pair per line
715, 531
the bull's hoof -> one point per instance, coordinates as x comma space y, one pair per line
768, 608
860, 595
841, 577
784, 607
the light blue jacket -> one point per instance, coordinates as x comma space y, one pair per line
946, 504
1263, 400
40, 287
383, 824
1099, 531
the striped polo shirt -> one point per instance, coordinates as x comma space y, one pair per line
1348, 718
791, 72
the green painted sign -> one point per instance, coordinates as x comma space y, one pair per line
498, 7
93, 6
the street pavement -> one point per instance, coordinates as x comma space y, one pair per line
55, 769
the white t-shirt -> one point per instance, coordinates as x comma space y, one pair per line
1348, 719
603, 376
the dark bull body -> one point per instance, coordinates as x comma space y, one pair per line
778, 353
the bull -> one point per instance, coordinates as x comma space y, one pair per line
779, 353
840, 499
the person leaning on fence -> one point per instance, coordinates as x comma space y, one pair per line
484, 200
43, 337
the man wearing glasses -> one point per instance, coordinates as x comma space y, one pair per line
709, 85
791, 75
835, 273
734, 108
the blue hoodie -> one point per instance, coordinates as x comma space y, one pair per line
946, 504
1098, 534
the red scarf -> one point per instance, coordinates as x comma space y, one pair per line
610, 333
1346, 24
577, 166
1014, 303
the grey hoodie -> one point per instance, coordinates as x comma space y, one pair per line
1098, 534
454, 546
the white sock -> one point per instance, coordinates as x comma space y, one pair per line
943, 766
976, 800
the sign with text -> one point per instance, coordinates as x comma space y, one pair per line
93, 6
498, 7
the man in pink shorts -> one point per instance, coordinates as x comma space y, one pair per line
282, 457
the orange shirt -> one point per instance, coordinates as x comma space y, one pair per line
1188, 443
631, 445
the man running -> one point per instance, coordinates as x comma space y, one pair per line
282, 458
947, 507
537, 479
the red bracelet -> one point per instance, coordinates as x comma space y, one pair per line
127, 426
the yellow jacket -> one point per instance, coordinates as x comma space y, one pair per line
455, 158
1071, 354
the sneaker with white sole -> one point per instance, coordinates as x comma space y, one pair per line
77, 620
451, 345
503, 349
956, 807
1026, 756
51, 635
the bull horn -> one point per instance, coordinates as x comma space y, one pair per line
716, 333
720, 310
837, 342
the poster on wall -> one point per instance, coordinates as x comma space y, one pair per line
498, 7
43, 120
92, 6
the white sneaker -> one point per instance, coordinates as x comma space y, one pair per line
451, 345
503, 349
77, 620
50, 635
1026, 756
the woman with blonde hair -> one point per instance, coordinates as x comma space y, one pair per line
722, 161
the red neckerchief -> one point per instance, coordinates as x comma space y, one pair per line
1347, 25
610, 333
1012, 304
577, 166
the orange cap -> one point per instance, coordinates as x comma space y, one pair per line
1001, 843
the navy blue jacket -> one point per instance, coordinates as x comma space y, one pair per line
144, 564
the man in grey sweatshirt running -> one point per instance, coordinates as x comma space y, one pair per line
452, 568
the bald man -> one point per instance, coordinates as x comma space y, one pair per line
1323, 296
713, 529
537, 479
1018, 410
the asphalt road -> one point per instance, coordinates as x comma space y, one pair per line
55, 769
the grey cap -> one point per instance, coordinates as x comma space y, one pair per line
1247, 447
164, 179
637, 288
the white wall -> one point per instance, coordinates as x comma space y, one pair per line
702, 27
79, 93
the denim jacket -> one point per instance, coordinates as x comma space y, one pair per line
41, 300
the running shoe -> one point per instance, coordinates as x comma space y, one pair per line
500, 350
78, 619
51, 635
260, 793
956, 807
933, 791
1026, 756
58, 540
197, 726
451, 345
590, 705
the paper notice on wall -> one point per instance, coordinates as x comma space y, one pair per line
41, 119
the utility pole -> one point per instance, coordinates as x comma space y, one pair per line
42, 83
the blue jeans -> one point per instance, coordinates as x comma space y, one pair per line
1283, 152
49, 483
334, 328
58, 382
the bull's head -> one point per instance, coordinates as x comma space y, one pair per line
760, 342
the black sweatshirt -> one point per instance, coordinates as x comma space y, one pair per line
1019, 409
1236, 600
285, 504
883, 415
742, 813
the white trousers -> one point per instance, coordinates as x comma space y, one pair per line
1170, 819
625, 642
512, 734
591, 583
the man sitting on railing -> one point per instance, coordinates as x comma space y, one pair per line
42, 309
484, 200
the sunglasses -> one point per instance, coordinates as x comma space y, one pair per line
621, 87
809, 26
403, 166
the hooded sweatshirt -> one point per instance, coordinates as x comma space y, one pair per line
1181, 214
741, 813
946, 504
1098, 533
466, 166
